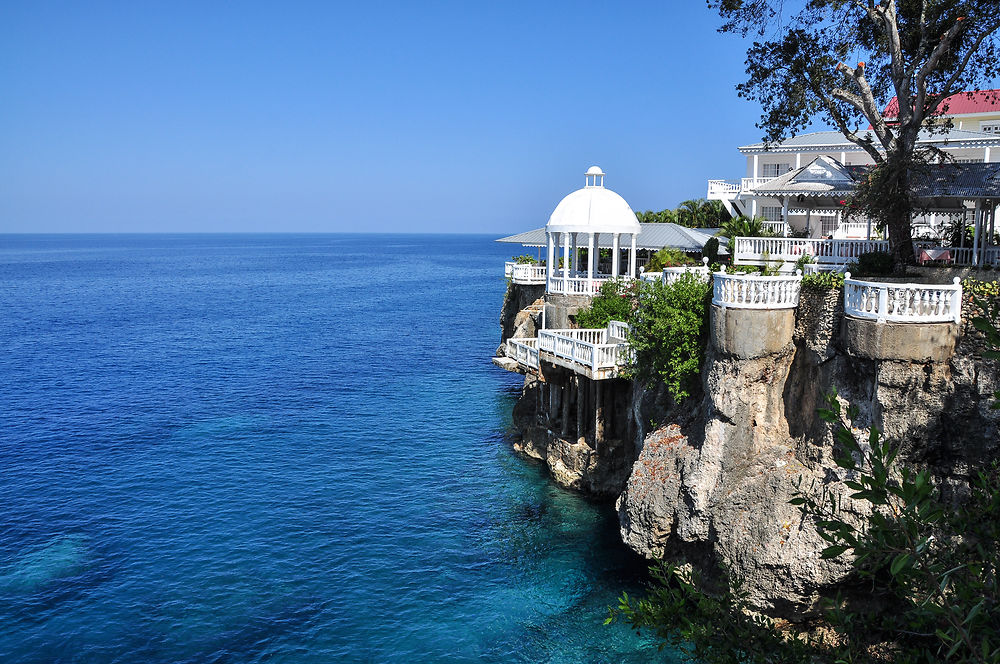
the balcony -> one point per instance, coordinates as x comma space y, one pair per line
596, 354
752, 291
762, 250
903, 303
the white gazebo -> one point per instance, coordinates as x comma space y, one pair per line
588, 212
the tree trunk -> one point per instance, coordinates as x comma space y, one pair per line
897, 210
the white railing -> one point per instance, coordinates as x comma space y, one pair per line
852, 229
752, 291
618, 330
748, 184
525, 351
723, 187
758, 250
777, 228
596, 350
960, 255
903, 303
575, 285
528, 274
508, 269
672, 274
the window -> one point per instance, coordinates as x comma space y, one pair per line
828, 225
770, 213
990, 127
773, 170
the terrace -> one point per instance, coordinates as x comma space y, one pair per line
598, 354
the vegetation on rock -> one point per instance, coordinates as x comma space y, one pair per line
616, 300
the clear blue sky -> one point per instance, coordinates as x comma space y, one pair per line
361, 116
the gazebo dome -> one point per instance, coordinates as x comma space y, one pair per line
593, 209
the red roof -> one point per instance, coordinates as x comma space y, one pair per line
962, 103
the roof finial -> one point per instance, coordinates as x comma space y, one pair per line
595, 176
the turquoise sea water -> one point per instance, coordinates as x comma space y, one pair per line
280, 448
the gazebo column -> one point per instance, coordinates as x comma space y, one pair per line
565, 272
590, 262
975, 233
551, 262
784, 216
631, 258
615, 255
573, 253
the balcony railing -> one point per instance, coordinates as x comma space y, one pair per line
760, 250
779, 228
528, 274
749, 184
672, 274
598, 353
576, 285
903, 303
751, 291
958, 255
723, 187
525, 351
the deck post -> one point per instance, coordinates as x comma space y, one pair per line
565, 271
590, 263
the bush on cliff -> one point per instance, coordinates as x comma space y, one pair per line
667, 334
615, 301
929, 565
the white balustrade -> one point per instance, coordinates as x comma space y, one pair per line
723, 188
959, 255
618, 330
753, 291
749, 184
903, 303
575, 285
508, 269
672, 274
600, 351
852, 229
779, 228
528, 273
759, 250
525, 351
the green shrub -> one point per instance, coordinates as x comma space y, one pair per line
615, 301
667, 257
981, 289
525, 259
823, 281
872, 264
804, 259
668, 333
742, 269
711, 250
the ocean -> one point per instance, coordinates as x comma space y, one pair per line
281, 448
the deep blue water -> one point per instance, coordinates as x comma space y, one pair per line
280, 448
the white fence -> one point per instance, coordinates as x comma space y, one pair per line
672, 274
508, 269
760, 250
957, 255
575, 285
903, 303
618, 330
596, 350
528, 274
723, 187
752, 291
525, 351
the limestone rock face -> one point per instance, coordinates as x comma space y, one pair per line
520, 314
712, 486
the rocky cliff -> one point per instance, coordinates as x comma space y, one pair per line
713, 485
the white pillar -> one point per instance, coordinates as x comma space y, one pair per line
755, 173
590, 262
631, 258
986, 155
573, 253
565, 272
798, 160
975, 232
784, 216
843, 157
551, 262
616, 251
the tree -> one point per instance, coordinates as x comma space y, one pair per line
921, 51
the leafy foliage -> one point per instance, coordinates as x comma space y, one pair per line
742, 226
823, 281
804, 259
695, 213
711, 250
616, 301
525, 259
667, 335
872, 264
667, 257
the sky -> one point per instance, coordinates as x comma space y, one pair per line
359, 117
